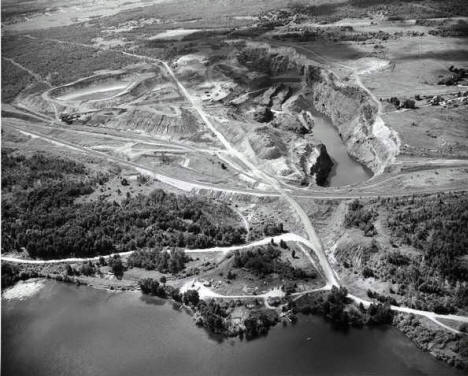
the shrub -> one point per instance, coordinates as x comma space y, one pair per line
361, 217
367, 272
409, 103
191, 297
117, 266
150, 286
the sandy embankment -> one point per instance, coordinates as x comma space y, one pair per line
23, 289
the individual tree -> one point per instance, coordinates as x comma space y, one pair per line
69, 270
191, 297
117, 266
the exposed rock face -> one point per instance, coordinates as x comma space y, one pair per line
267, 143
298, 123
314, 161
350, 108
322, 166
263, 115
354, 113
273, 61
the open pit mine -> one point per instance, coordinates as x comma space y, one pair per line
179, 177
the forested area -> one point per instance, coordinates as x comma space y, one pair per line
211, 314
61, 63
14, 80
336, 307
214, 314
10, 274
266, 260
435, 225
150, 286
158, 259
261, 230
433, 277
41, 215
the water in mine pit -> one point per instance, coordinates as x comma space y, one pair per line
346, 170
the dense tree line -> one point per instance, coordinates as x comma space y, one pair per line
150, 286
10, 274
336, 307
157, 259
86, 268
213, 316
259, 322
261, 261
17, 169
41, 215
271, 228
266, 260
382, 298
437, 341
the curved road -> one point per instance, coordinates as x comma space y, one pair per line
288, 237
313, 240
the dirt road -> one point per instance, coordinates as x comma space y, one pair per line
312, 241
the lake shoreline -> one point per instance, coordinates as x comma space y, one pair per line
418, 334
383, 351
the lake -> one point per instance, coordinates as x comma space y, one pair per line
66, 330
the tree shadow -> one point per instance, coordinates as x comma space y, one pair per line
152, 300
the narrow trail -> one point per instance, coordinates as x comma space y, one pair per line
430, 315
37, 77
287, 237
30, 72
206, 293
245, 222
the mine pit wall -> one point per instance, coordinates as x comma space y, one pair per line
350, 108
354, 113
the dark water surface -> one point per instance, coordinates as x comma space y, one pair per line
69, 330
346, 170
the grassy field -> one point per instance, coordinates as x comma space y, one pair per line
431, 131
